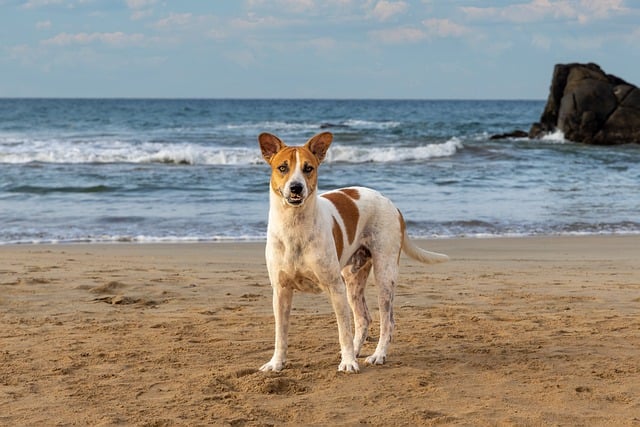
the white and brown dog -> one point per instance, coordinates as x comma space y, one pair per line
329, 243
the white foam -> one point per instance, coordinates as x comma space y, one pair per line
367, 124
355, 154
55, 151
556, 137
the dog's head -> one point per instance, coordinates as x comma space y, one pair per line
294, 169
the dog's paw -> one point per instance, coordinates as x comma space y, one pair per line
351, 367
273, 365
376, 359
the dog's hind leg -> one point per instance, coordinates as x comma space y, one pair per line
386, 274
355, 275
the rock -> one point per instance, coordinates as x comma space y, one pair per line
590, 106
512, 134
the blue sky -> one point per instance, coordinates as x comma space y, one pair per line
426, 49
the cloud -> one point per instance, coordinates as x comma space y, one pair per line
254, 22
174, 20
140, 4
116, 39
140, 8
187, 26
582, 11
33, 4
445, 28
297, 6
398, 35
69, 4
384, 9
43, 25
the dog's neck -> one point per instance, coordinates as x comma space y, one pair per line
294, 220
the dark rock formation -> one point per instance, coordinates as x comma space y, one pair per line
512, 134
590, 106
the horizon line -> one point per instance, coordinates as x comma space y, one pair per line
187, 98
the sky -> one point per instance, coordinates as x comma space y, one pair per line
398, 49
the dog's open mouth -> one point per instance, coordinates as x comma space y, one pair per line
295, 199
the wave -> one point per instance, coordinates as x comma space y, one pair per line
297, 127
196, 154
125, 152
36, 189
555, 137
352, 154
463, 229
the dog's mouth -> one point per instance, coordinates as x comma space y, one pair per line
295, 199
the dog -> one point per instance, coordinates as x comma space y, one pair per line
330, 242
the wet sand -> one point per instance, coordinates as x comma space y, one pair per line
527, 331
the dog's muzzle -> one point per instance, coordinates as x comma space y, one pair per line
296, 194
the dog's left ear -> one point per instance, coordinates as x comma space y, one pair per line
319, 144
270, 145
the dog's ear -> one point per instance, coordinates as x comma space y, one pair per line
319, 144
270, 145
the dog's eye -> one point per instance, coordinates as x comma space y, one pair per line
283, 168
307, 169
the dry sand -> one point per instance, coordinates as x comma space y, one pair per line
529, 331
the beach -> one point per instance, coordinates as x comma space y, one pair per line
512, 331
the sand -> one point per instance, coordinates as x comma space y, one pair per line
527, 331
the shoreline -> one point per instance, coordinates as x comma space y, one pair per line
241, 240
525, 331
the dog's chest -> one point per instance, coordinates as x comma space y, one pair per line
295, 262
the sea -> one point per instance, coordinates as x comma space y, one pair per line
190, 170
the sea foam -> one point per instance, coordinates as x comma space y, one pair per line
55, 151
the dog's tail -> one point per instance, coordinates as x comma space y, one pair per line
420, 254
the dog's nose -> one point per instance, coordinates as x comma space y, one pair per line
296, 188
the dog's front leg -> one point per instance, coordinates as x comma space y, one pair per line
282, 298
343, 315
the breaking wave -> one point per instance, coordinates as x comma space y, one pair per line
15, 152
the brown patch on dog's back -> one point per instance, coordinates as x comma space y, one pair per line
351, 192
347, 209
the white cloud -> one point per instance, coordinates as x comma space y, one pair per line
384, 9
69, 4
604, 8
115, 39
444, 28
433, 28
32, 4
137, 15
254, 22
140, 9
398, 35
297, 6
582, 11
140, 4
43, 25
174, 20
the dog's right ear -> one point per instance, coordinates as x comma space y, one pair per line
270, 145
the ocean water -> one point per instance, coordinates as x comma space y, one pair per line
110, 170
